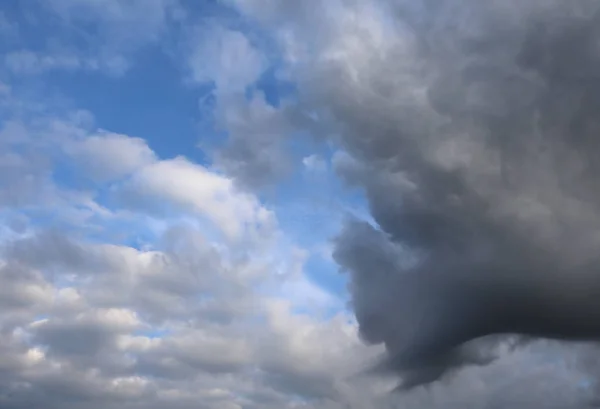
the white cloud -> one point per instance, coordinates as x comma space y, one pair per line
195, 188
88, 343
142, 180
314, 163
182, 323
108, 156
226, 57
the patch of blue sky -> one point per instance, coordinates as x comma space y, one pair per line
63, 281
139, 233
43, 218
325, 273
323, 313
67, 174
274, 88
148, 102
34, 36
153, 333
152, 101
13, 225
312, 207
585, 384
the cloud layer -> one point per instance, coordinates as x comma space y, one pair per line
471, 128
202, 311
138, 279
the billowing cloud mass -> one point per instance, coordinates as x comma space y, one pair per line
472, 127
137, 271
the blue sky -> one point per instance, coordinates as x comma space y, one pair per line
154, 99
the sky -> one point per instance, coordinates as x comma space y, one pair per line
203, 205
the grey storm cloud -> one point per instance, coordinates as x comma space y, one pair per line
475, 138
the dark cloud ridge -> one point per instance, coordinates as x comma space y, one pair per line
485, 191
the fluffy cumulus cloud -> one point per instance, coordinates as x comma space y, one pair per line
109, 156
137, 273
206, 312
225, 57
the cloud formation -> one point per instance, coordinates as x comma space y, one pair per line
136, 279
202, 312
471, 127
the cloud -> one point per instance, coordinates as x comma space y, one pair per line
101, 342
225, 57
191, 318
108, 156
84, 335
194, 187
32, 150
24, 291
469, 126
254, 153
146, 282
314, 163
130, 170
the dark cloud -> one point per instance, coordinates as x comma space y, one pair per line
73, 338
49, 249
474, 131
254, 153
